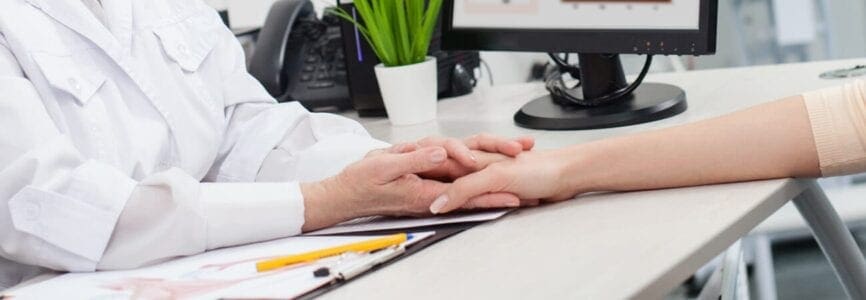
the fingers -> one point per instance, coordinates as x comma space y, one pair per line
468, 187
494, 200
403, 148
460, 152
451, 170
412, 195
455, 148
485, 159
527, 142
490, 143
398, 148
392, 166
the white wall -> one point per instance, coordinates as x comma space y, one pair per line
218, 4
509, 67
252, 13
248, 13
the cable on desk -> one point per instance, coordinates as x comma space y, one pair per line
489, 72
559, 92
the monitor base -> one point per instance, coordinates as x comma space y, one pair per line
649, 102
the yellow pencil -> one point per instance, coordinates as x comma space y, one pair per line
365, 246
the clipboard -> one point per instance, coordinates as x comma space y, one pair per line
212, 268
442, 232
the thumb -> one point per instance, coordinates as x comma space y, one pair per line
465, 189
394, 165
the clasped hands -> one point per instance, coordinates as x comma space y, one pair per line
431, 176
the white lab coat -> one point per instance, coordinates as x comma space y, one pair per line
130, 144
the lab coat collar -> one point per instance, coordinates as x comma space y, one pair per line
75, 15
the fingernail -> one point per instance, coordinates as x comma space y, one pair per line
513, 203
438, 156
438, 204
473, 158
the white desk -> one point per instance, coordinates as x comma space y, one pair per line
633, 245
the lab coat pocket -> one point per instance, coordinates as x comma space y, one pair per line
188, 42
66, 75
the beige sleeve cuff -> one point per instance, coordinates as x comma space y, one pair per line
838, 118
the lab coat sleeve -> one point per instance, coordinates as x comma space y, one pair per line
171, 214
270, 142
57, 208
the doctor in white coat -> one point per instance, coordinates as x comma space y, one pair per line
130, 133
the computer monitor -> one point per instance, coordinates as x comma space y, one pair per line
598, 31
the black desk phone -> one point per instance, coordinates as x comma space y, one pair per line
298, 57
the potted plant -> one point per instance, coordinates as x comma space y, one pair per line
399, 31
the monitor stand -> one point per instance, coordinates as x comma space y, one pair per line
602, 74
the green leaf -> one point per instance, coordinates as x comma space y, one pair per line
431, 16
415, 11
399, 31
403, 44
383, 19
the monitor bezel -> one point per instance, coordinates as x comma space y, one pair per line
624, 41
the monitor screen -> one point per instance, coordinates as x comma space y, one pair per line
581, 26
577, 14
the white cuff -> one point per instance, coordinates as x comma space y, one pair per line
241, 213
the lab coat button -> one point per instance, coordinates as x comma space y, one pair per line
31, 211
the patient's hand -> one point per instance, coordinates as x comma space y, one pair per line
533, 176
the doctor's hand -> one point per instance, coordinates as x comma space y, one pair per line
533, 177
468, 155
385, 182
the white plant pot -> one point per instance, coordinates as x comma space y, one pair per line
409, 92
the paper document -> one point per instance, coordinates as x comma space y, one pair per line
384, 223
224, 273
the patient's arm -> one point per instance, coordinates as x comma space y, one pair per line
772, 140
821, 133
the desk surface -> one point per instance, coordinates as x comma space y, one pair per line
627, 245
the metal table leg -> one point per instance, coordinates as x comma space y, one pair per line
731, 272
765, 279
834, 238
